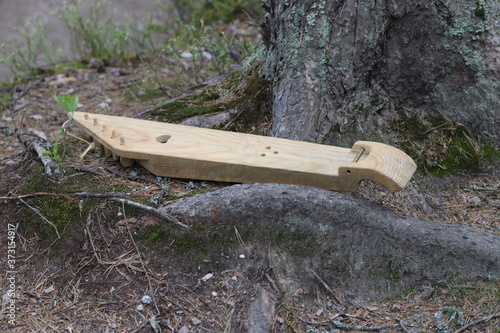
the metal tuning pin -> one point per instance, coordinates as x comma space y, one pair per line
122, 140
358, 155
86, 116
95, 122
104, 128
113, 134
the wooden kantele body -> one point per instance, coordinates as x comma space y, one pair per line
171, 150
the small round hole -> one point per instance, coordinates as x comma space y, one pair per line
262, 155
268, 147
348, 171
163, 138
275, 152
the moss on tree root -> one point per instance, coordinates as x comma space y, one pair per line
438, 145
243, 91
211, 246
441, 146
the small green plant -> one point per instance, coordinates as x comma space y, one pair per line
206, 49
69, 103
54, 153
214, 12
92, 34
98, 35
28, 48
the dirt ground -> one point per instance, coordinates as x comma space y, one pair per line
103, 277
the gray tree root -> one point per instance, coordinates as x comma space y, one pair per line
308, 234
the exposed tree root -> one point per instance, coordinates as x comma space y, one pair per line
351, 243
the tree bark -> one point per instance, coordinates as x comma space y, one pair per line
348, 242
341, 66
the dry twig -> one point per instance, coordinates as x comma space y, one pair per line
342, 326
327, 287
38, 213
145, 271
114, 196
478, 321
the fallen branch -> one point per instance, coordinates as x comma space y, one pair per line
194, 90
77, 194
114, 196
478, 321
52, 169
346, 327
327, 287
87, 170
158, 213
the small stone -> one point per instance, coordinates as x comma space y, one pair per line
146, 299
242, 256
195, 321
186, 55
207, 277
94, 63
139, 307
103, 105
7, 296
36, 117
184, 329
49, 290
206, 55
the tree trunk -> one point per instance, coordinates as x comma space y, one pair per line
339, 66
306, 233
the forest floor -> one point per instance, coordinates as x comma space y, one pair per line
98, 280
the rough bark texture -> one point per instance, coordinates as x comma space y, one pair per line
347, 241
339, 66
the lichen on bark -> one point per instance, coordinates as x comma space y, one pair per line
324, 57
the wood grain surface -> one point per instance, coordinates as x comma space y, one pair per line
179, 151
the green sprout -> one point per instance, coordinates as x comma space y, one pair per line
54, 153
68, 102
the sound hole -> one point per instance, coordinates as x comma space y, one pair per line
163, 138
